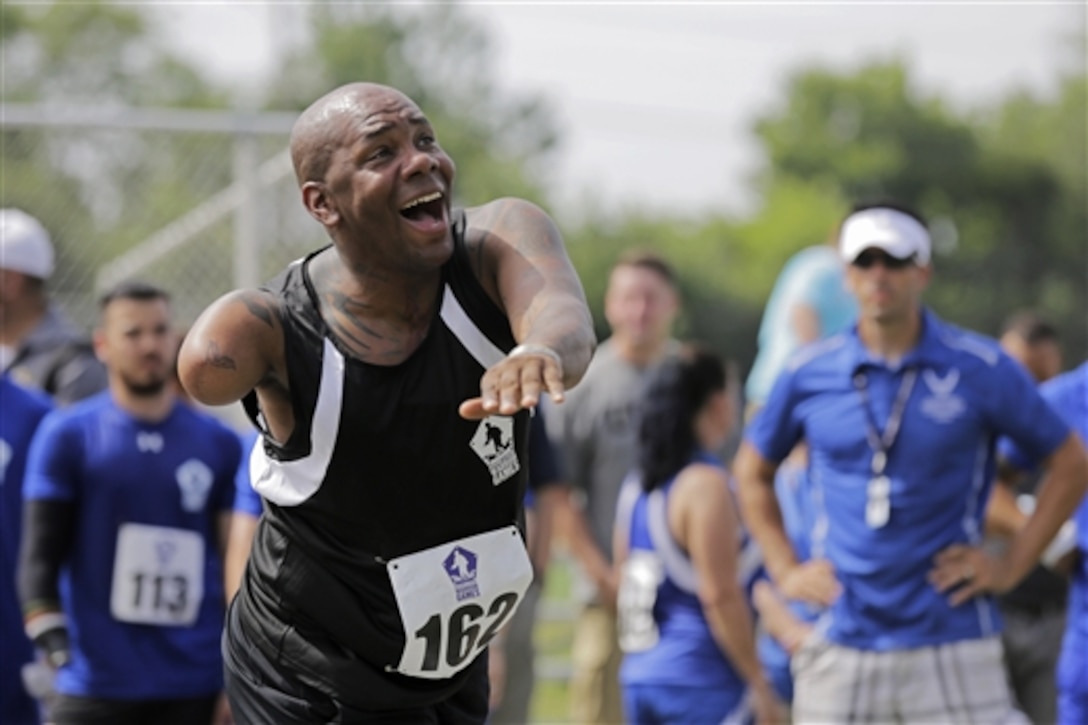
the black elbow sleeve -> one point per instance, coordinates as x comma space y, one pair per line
48, 530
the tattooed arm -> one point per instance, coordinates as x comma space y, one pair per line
235, 345
519, 258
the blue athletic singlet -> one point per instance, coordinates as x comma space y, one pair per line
668, 641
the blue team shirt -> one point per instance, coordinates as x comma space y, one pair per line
246, 500
21, 411
176, 473
967, 393
1068, 394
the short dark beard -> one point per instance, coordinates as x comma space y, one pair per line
144, 390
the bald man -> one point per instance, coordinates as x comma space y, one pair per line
392, 374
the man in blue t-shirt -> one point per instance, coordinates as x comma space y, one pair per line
900, 414
20, 413
1068, 394
127, 498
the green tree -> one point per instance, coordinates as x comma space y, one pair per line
441, 59
1010, 216
100, 191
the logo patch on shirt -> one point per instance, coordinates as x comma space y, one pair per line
164, 552
195, 481
460, 565
942, 406
149, 442
493, 442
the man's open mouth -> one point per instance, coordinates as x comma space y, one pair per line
428, 207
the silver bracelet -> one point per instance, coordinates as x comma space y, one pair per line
533, 349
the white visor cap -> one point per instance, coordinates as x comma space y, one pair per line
894, 232
24, 244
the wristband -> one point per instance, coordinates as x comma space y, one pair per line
53, 641
1064, 542
44, 622
533, 349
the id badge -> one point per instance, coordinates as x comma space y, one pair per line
878, 505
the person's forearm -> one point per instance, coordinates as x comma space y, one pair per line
48, 530
572, 522
1058, 497
1003, 517
731, 624
565, 328
764, 519
240, 541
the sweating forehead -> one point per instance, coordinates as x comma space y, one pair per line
329, 122
364, 102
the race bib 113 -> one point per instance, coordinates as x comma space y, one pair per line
158, 575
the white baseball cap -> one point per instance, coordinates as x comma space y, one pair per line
895, 232
25, 245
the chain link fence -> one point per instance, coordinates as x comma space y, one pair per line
197, 202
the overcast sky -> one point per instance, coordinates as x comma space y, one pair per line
655, 100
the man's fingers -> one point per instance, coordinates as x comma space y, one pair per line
951, 554
473, 409
530, 387
553, 380
515, 384
965, 593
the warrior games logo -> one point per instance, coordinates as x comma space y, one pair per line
460, 566
494, 444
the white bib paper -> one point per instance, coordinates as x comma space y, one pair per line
158, 575
455, 597
640, 578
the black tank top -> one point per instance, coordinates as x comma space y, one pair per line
379, 465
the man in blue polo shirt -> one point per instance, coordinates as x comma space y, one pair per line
900, 414
1068, 394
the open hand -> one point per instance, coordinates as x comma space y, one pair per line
967, 571
516, 383
814, 581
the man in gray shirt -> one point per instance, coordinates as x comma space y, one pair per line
595, 429
39, 346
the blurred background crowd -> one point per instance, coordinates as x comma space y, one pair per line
143, 164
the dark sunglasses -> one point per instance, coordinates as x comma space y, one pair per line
867, 259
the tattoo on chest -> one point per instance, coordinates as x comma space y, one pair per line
346, 319
342, 315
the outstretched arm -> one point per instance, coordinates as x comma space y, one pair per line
519, 257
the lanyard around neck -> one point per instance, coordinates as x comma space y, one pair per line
881, 443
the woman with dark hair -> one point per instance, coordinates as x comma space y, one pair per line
685, 623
